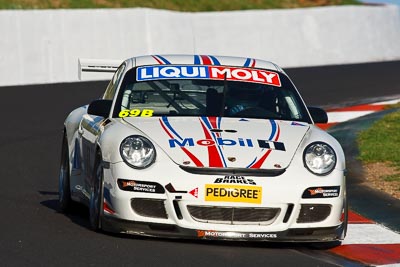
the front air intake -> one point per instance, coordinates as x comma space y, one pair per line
231, 215
310, 213
147, 207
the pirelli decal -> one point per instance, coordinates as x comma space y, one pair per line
233, 193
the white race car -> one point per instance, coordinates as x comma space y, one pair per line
207, 147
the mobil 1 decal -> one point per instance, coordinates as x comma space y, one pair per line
207, 72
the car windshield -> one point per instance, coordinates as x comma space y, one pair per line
209, 97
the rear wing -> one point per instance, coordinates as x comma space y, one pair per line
97, 69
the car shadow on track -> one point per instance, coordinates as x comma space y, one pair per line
78, 214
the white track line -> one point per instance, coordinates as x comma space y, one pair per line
370, 234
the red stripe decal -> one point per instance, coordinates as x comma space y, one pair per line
214, 124
165, 129
159, 61
206, 60
107, 208
214, 159
370, 254
260, 162
278, 134
192, 157
253, 63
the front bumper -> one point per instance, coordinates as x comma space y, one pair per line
162, 212
326, 234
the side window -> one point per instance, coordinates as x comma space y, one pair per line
112, 86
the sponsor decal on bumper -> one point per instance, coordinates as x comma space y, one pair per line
321, 192
233, 193
140, 186
233, 235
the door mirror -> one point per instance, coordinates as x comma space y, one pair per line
100, 108
318, 115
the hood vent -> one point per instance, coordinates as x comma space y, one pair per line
233, 171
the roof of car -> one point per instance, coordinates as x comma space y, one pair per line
203, 60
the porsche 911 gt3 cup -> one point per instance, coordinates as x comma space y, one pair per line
207, 147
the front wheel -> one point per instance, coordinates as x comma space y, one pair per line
64, 191
346, 217
96, 196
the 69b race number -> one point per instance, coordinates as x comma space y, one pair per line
136, 113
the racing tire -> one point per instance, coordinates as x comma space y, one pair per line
346, 218
64, 190
97, 196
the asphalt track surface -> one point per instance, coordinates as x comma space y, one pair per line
34, 233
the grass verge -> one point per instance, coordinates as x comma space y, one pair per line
178, 5
381, 144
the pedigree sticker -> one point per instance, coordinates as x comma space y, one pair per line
233, 193
207, 72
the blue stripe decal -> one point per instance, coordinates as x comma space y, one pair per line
163, 59
197, 60
247, 63
166, 122
106, 195
248, 166
273, 124
219, 119
215, 60
222, 155
208, 125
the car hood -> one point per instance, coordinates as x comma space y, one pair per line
224, 142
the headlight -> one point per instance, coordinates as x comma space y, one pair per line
319, 158
137, 151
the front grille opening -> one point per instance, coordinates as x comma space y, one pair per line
310, 213
230, 215
147, 207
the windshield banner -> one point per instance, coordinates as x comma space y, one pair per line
208, 72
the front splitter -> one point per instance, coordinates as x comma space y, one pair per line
326, 234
